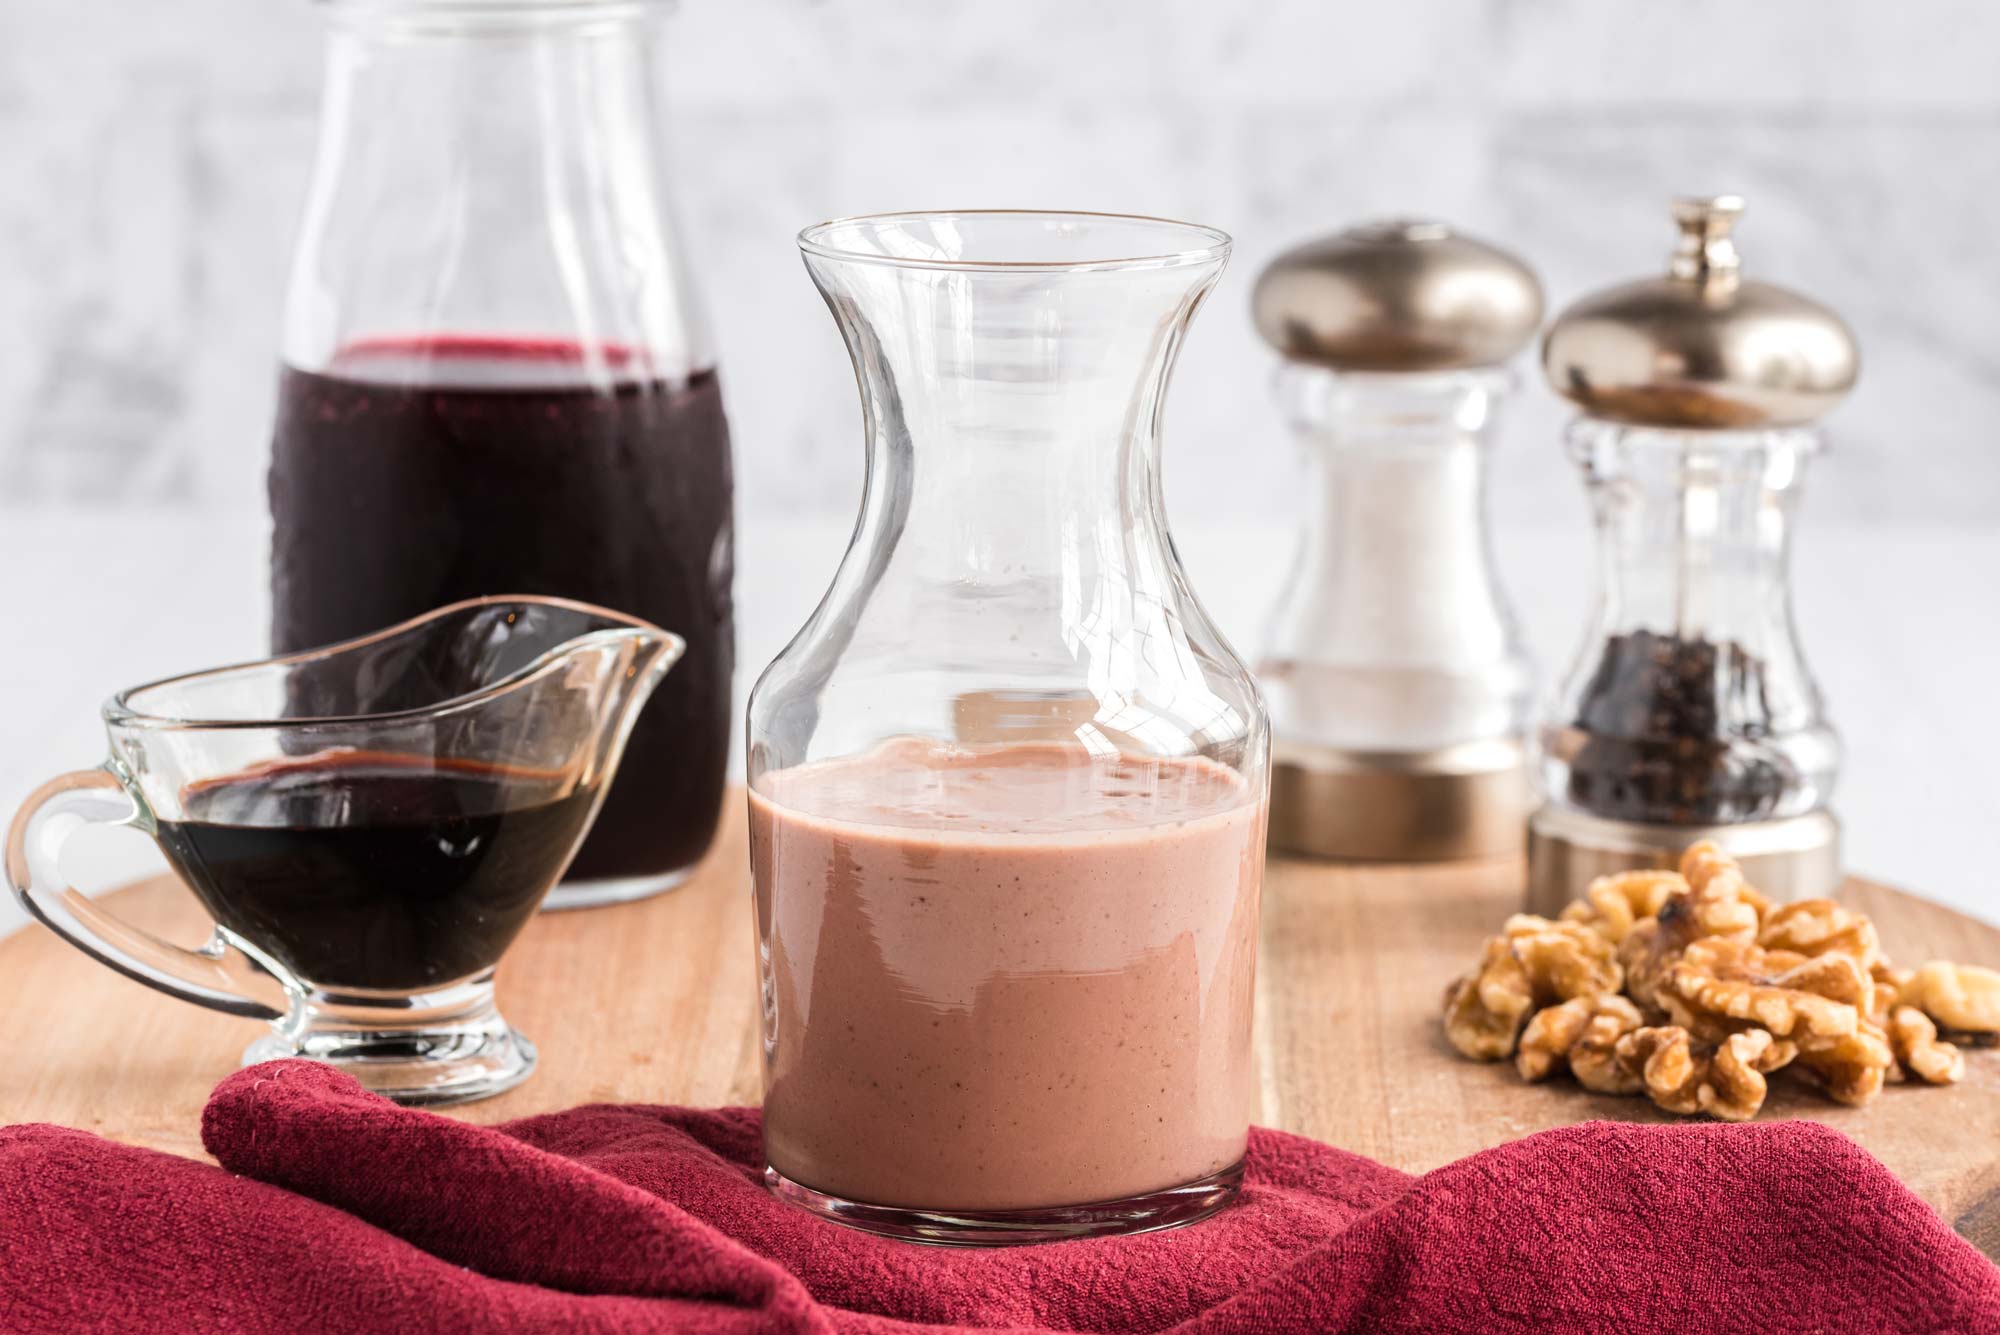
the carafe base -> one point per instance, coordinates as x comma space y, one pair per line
604, 890
428, 1055
1169, 1207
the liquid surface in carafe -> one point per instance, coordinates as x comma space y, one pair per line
1015, 788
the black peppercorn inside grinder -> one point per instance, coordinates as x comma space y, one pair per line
1690, 713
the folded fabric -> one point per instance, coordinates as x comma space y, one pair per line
335, 1211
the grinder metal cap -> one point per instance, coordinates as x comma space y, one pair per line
1702, 346
1400, 295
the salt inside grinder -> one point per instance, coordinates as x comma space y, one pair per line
1690, 713
1398, 688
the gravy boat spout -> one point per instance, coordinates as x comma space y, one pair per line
503, 656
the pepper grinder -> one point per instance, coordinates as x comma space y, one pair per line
1399, 690
1690, 713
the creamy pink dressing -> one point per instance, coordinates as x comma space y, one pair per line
1005, 977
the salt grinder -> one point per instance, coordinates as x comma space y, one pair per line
1399, 690
1690, 713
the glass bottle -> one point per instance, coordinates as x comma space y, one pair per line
1690, 712
1400, 690
495, 378
1007, 786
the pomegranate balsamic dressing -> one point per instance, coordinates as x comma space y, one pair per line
420, 471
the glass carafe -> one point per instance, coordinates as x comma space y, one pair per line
495, 379
1008, 785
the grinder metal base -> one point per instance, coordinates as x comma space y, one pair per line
1465, 801
1794, 858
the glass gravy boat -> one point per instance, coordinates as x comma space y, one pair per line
370, 824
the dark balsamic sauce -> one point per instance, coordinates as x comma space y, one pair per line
365, 870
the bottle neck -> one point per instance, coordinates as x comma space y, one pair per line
493, 170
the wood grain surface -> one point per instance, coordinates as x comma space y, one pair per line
657, 1003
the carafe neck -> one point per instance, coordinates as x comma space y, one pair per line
1013, 419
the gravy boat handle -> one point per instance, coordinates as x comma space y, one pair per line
218, 975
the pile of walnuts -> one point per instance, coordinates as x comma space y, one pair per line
1691, 988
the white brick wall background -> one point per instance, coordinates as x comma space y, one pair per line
153, 156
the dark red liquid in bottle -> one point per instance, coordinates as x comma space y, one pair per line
418, 472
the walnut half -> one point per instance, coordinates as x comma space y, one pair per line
1613, 905
1735, 1088
1851, 1068
1726, 1081
1964, 997
1533, 963
1820, 927
1715, 903
1580, 1033
1914, 1040
1719, 985
1662, 1057
1484, 1010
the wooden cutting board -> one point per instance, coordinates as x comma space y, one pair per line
657, 1003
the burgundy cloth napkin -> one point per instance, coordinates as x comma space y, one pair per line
335, 1211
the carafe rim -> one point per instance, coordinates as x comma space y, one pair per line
120, 713
816, 241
